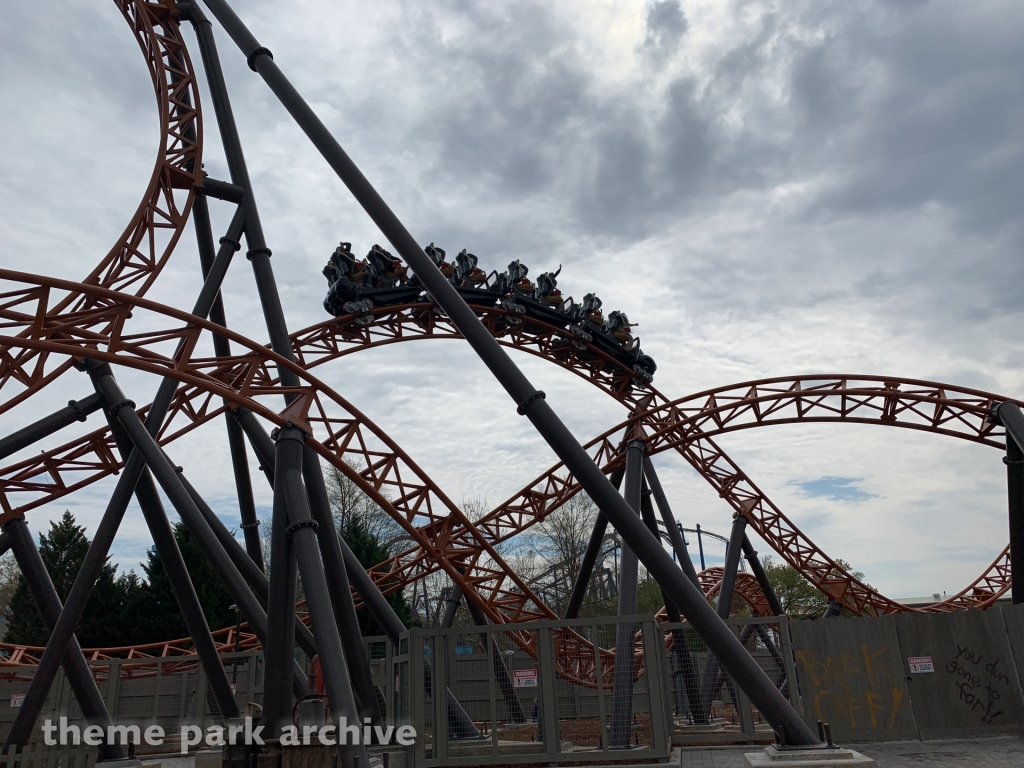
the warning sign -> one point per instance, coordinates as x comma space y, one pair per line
524, 678
17, 699
919, 664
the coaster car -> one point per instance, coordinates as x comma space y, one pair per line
542, 301
380, 278
616, 338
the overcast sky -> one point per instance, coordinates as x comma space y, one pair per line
766, 188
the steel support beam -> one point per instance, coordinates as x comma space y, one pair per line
280, 646
593, 551
56, 421
528, 399
222, 347
685, 674
732, 564
1009, 415
629, 568
122, 410
16, 535
671, 526
714, 675
340, 589
302, 531
501, 674
258, 253
762, 578
254, 578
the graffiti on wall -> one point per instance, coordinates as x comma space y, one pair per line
855, 690
980, 680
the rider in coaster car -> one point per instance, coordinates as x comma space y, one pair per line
343, 264
437, 256
387, 270
619, 328
517, 277
546, 290
467, 273
592, 309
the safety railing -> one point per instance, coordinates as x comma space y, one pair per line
169, 692
541, 692
706, 705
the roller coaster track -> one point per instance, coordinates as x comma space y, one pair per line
142, 250
47, 323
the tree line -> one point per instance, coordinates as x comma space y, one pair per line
134, 608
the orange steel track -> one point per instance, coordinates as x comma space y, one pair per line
46, 323
145, 245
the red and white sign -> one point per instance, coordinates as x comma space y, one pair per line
524, 678
919, 664
17, 699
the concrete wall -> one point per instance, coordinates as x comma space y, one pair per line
855, 674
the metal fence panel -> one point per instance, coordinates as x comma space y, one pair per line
538, 692
706, 705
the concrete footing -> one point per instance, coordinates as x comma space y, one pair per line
806, 758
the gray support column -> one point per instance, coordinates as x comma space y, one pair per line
253, 577
5, 544
260, 441
17, 536
732, 562
451, 606
340, 589
714, 675
72, 412
1009, 415
381, 610
625, 660
685, 674
258, 253
301, 529
579, 588
529, 400
833, 611
762, 578
280, 645
239, 462
671, 526
123, 410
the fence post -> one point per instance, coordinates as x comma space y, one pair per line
200, 696
492, 693
595, 636
655, 658
787, 656
113, 687
438, 688
547, 692
419, 681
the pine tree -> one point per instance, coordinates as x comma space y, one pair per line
371, 551
63, 551
153, 605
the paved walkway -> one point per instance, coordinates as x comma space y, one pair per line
1005, 752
